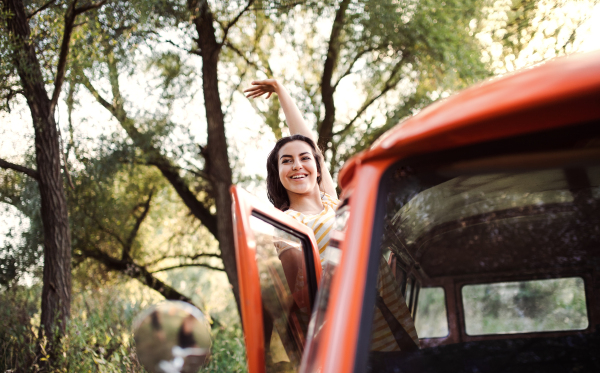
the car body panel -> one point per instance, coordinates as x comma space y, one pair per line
557, 94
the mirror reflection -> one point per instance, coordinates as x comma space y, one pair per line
172, 337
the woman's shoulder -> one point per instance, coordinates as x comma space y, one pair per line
329, 200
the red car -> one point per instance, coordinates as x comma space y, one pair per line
474, 224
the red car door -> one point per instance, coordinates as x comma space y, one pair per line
279, 272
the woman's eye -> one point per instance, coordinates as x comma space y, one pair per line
306, 159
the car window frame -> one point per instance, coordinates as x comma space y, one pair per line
586, 276
244, 206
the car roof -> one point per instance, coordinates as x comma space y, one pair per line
562, 92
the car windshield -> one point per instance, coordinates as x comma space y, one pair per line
482, 253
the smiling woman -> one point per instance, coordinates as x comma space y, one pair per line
294, 174
298, 181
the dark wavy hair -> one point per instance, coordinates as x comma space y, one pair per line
276, 192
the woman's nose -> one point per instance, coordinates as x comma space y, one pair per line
296, 165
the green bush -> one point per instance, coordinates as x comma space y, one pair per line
228, 352
99, 336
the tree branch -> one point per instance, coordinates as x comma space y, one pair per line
192, 51
70, 15
101, 100
133, 270
189, 265
349, 69
241, 54
91, 6
42, 8
12, 93
155, 158
190, 257
104, 229
26, 170
136, 227
325, 127
389, 84
234, 21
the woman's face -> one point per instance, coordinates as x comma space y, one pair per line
297, 167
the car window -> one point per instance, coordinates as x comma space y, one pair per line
285, 294
431, 320
525, 306
448, 225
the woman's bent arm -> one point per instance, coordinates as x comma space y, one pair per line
293, 116
294, 120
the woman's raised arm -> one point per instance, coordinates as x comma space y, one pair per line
294, 120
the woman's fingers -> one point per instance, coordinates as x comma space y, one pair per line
252, 89
260, 87
256, 94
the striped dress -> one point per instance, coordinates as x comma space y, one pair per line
320, 223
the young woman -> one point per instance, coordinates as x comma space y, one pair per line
298, 181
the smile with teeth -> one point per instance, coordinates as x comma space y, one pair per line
296, 177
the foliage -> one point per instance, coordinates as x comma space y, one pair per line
228, 352
541, 305
21, 252
388, 59
99, 336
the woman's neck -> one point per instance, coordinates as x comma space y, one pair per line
309, 203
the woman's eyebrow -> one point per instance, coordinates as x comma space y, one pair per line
300, 155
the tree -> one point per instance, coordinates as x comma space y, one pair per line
392, 57
111, 201
56, 292
212, 188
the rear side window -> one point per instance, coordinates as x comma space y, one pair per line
525, 306
432, 320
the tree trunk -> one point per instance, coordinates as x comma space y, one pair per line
56, 290
325, 129
220, 170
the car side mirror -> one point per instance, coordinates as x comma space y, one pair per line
172, 337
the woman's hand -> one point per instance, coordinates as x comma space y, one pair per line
260, 87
